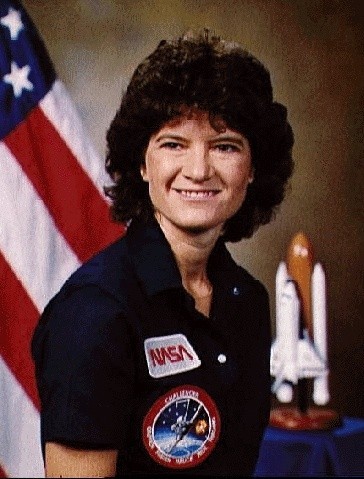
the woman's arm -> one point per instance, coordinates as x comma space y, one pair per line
65, 461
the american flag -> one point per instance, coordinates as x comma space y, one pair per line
53, 217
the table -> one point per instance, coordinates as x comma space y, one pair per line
338, 452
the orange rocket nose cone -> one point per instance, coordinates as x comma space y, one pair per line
300, 248
299, 267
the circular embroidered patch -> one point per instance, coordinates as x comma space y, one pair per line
182, 427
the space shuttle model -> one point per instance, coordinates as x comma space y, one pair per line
299, 349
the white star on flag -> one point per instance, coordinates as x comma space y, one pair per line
13, 21
18, 79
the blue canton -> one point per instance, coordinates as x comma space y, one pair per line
26, 71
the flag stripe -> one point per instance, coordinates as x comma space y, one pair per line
20, 453
29, 239
75, 203
72, 131
15, 335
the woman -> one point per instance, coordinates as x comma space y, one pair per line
154, 356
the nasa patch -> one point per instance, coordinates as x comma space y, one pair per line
168, 355
182, 427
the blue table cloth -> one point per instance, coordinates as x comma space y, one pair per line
338, 452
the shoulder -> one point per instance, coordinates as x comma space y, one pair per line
107, 270
88, 305
115, 268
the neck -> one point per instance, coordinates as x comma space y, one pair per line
191, 252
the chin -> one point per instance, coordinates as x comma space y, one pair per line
194, 224
196, 228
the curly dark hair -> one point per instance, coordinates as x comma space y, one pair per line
201, 72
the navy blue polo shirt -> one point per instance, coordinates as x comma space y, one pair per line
124, 360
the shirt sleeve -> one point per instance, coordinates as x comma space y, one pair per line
82, 349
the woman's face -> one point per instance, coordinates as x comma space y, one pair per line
197, 176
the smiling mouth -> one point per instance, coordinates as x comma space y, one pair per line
197, 194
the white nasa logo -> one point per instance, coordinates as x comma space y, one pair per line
182, 428
168, 355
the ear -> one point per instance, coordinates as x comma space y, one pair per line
143, 172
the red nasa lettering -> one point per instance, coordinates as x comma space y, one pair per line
167, 355
171, 354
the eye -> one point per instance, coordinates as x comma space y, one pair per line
227, 148
171, 145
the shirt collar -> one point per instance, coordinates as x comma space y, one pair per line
155, 264
152, 257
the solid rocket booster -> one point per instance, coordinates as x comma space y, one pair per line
281, 278
321, 394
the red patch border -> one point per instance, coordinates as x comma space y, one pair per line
164, 401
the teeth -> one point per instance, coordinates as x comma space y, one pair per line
196, 194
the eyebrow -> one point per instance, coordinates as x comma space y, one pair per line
232, 138
170, 137
229, 138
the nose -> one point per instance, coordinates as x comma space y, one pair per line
197, 166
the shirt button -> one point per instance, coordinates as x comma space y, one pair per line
236, 291
221, 358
